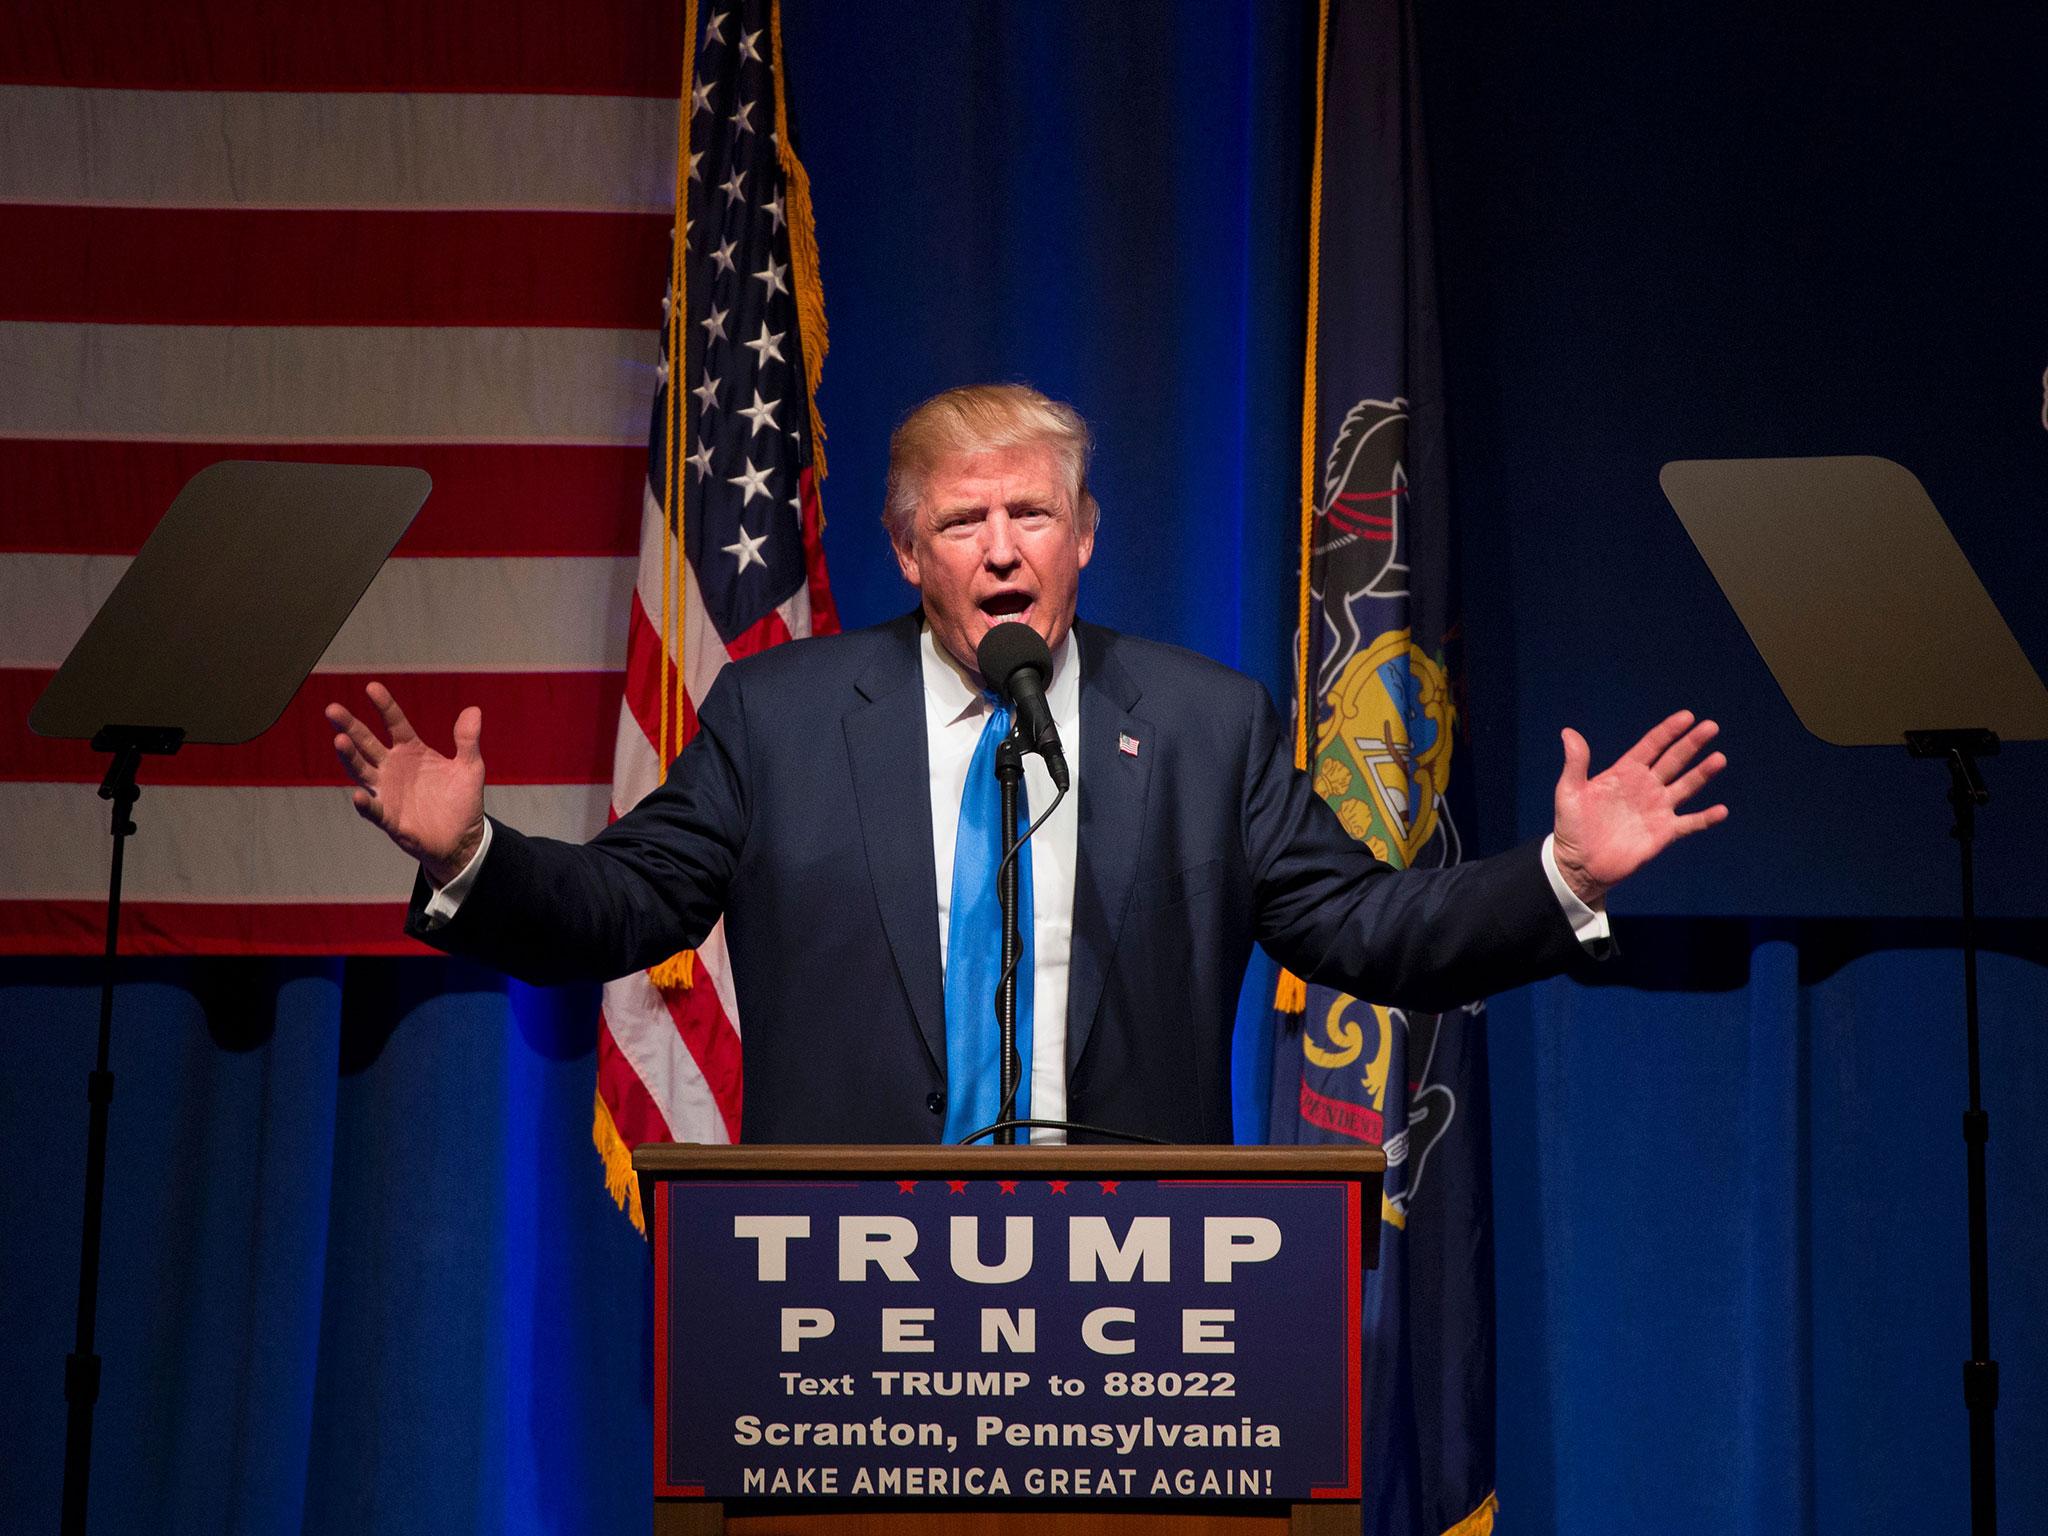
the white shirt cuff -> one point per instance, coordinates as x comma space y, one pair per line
1590, 926
446, 901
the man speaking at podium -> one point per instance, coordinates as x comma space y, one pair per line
838, 807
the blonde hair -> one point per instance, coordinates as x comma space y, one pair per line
984, 418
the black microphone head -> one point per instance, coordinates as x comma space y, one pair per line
1006, 648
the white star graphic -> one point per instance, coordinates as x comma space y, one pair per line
695, 156
722, 257
761, 413
774, 207
748, 550
700, 96
772, 275
733, 185
754, 482
742, 116
714, 29
714, 326
747, 48
706, 393
700, 460
766, 346
661, 371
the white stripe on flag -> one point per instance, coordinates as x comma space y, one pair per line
198, 843
701, 641
315, 384
499, 614
647, 1037
261, 149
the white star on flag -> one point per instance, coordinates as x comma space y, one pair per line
753, 481
700, 97
722, 257
735, 184
714, 326
747, 48
765, 346
761, 413
701, 460
748, 549
772, 275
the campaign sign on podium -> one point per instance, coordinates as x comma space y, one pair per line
946, 1325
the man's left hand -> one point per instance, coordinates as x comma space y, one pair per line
1612, 824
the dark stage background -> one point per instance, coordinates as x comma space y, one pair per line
363, 1275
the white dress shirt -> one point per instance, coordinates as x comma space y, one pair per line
954, 713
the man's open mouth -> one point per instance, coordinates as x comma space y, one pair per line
1006, 605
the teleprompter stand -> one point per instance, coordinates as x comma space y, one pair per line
1840, 568
209, 633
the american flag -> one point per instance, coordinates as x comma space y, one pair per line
735, 447
391, 235
399, 231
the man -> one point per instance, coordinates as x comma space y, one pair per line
828, 809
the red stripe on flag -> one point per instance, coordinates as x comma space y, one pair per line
549, 46
207, 928
824, 612
764, 634
243, 266
712, 1042
77, 496
638, 1118
540, 728
643, 680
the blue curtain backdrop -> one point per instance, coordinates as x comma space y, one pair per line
362, 1275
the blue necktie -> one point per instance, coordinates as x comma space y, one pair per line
974, 946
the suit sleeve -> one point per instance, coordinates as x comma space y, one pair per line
1426, 939
651, 883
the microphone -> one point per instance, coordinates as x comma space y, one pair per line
1015, 661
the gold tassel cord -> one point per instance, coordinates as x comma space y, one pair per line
618, 1164
679, 970
678, 973
1290, 993
803, 252
1308, 388
676, 420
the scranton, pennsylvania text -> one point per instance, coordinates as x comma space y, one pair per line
970, 1340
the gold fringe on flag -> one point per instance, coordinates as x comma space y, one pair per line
1480, 1521
803, 252
618, 1164
1302, 705
1290, 993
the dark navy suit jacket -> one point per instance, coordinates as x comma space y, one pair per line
802, 812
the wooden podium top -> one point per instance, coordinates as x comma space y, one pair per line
662, 1160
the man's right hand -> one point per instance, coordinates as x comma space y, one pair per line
430, 805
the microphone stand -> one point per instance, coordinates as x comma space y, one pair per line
1009, 774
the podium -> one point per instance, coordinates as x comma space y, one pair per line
854, 1339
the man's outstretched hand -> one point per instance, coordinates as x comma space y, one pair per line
430, 805
1612, 824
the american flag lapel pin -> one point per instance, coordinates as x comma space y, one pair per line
1127, 744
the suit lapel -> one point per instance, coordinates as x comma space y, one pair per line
1112, 817
885, 742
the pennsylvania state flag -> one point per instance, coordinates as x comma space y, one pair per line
1378, 726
